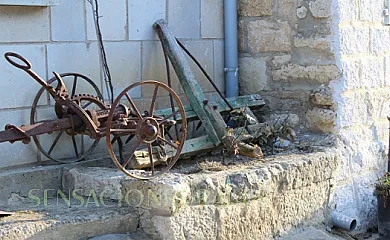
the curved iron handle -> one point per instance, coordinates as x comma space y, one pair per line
25, 67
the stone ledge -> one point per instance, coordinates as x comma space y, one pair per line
167, 195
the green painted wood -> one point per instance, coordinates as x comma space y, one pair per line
252, 101
212, 120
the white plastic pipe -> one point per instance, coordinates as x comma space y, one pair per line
344, 222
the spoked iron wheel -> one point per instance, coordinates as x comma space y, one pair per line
150, 130
65, 146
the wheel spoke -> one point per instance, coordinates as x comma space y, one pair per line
82, 144
75, 146
133, 149
153, 101
151, 157
55, 142
168, 142
74, 86
133, 106
86, 105
129, 138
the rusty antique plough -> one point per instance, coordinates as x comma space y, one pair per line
148, 131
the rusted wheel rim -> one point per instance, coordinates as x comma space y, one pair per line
150, 130
75, 78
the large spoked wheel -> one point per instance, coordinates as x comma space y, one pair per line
149, 131
66, 146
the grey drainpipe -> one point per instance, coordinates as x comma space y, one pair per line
231, 49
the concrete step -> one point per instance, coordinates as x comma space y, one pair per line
55, 219
18, 182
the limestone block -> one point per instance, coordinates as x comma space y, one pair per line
75, 57
354, 40
351, 73
279, 61
301, 12
322, 97
184, 25
255, 8
113, 20
204, 53
195, 222
379, 39
372, 10
287, 10
153, 67
219, 65
212, 19
24, 24
314, 74
320, 43
68, 21
252, 75
354, 108
320, 8
242, 36
372, 72
269, 36
124, 60
321, 120
142, 15
16, 153
387, 71
17, 88
348, 10
379, 102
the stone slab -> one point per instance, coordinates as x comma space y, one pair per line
184, 25
142, 15
24, 24
212, 18
58, 221
66, 21
112, 20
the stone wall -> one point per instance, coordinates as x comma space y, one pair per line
328, 62
362, 97
63, 39
286, 56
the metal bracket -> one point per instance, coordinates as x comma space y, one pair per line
235, 70
386, 13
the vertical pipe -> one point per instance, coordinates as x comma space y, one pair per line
231, 48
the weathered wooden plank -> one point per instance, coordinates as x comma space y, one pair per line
140, 159
212, 120
251, 101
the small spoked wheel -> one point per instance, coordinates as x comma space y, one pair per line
150, 130
65, 146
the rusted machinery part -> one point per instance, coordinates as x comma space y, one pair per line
94, 97
149, 130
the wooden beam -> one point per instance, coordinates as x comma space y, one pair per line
212, 120
252, 101
191, 147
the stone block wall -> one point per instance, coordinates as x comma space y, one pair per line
362, 95
286, 56
327, 61
63, 39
